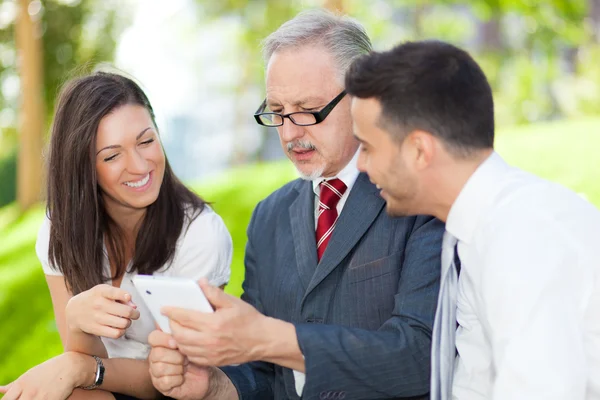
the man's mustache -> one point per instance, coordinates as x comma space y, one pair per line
300, 144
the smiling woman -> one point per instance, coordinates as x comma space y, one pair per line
115, 209
130, 162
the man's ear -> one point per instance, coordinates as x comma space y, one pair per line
421, 147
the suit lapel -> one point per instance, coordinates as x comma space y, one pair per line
361, 209
302, 219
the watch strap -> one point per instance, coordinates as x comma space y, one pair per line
99, 374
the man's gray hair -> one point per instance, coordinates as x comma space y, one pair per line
343, 37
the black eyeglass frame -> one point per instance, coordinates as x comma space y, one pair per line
319, 115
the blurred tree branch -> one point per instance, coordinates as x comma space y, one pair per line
335, 5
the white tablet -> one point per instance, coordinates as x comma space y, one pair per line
162, 291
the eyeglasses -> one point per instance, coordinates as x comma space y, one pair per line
301, 118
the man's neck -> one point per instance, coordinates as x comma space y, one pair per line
451, 180
349, 165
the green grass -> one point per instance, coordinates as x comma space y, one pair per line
563, 151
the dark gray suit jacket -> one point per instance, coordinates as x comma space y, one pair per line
363, 315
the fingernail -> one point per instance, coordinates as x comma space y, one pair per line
173, 343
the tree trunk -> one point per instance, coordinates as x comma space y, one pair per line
419, 11
594, 7
31, 114
240, 151
491, 35
334, 5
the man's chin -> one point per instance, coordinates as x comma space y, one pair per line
309, 174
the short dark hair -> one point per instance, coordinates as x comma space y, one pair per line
80, 224
428, 85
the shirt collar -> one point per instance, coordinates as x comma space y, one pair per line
347, 175
475, 197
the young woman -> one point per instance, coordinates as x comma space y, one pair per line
115, 209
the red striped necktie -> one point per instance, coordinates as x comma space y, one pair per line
331, 193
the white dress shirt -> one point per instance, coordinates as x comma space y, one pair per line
204, 249
529, 289
347, 175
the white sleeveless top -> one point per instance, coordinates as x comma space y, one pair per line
204, 249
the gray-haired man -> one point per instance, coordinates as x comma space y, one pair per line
338, 298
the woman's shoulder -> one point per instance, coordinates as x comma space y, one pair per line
42, 246
203, 222
43, 238
204, 248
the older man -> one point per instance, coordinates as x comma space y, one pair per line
339, 297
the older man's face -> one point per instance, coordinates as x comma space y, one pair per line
306, 79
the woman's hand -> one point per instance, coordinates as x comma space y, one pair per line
104, 310
53, 380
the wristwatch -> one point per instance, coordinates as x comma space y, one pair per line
99, 374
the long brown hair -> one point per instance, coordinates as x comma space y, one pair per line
79, 221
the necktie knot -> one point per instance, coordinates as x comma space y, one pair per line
331, 193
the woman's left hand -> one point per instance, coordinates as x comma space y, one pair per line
55, 379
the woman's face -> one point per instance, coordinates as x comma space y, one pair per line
130, 162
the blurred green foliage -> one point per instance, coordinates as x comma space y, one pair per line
75, 36
563, 151
8, 178
540, 57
